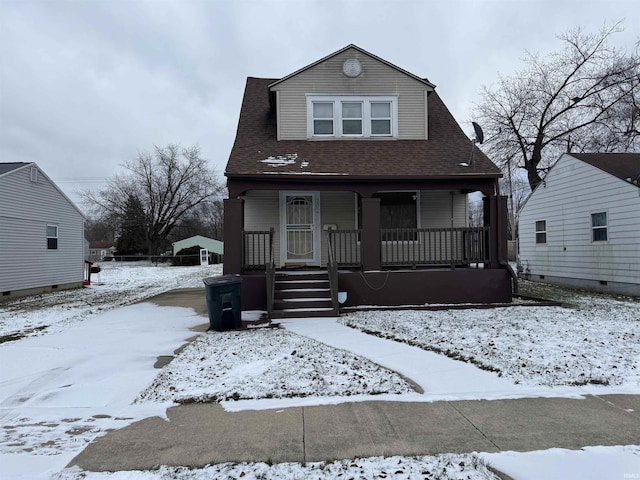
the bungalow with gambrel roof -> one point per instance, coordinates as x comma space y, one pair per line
350, 175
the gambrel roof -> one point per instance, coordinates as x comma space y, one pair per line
257, 152
625, 166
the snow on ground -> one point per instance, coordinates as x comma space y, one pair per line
593, 343
119, 283
60, 390
589, 463
441, 467
73, 365
267, 363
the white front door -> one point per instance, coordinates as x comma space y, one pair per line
299, 214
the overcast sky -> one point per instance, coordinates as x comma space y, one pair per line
85, 85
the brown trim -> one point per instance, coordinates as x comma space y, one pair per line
363, 186
233, 227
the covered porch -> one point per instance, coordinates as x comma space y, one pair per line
370, 264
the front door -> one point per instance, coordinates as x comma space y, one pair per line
299, 212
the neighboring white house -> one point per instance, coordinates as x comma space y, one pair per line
214, 246
581, 226
41, 233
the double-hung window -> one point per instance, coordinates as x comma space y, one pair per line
380, 118
599, 227
323, 118
349, 116
52, 237
541, 231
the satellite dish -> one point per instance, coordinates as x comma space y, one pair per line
479, 134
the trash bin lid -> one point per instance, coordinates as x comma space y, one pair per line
222, 280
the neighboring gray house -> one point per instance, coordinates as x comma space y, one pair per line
581, 226
41, 233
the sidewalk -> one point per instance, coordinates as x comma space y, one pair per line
201, 434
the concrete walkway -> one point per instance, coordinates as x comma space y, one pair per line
200, 434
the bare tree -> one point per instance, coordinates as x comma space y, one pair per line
584, 97
169, 183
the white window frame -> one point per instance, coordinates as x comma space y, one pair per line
56, 236
604, 227
366, 101
535, 227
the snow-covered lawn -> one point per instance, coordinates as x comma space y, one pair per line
439, 467
118, 283
594, 342
267, 363
67, 374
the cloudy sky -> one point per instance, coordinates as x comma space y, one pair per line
87, 84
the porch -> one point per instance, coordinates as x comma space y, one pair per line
417, 266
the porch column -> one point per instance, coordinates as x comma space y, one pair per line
495, 217
370, 234
233, 226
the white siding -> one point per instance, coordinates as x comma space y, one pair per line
571, 192
26, 208
377, 78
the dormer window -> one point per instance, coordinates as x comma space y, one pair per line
351, 116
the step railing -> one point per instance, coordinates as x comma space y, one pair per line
332, 271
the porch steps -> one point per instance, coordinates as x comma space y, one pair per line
303, 293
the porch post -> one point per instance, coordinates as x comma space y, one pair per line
233, 226
495, 217
371, 234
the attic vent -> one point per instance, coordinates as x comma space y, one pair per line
34, 174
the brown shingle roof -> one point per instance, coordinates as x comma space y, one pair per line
622, 165
438, 157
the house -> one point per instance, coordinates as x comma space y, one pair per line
100, 250
349, 179
41, 233
215, 247
581, 226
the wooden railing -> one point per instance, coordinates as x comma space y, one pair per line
434, 246
257, 249
402, 247
332, 271
345, 246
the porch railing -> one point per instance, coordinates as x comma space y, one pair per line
345, 246
434, 246
402, 247
257, 249
257, 254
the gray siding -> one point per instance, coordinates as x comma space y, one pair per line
437, 209
262, 212
443, 209
377, 78
572, 191
26, 208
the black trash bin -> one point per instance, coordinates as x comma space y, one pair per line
224, 302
